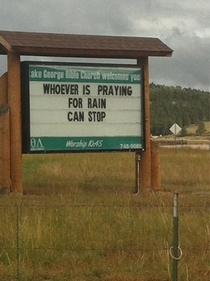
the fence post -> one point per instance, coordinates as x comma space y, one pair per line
177, 252
176, 237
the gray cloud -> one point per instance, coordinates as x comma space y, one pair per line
190, 64
182, 25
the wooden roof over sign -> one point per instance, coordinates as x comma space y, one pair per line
69, 45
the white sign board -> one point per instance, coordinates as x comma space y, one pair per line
82, 108
175, 129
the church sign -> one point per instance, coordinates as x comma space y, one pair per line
77, 108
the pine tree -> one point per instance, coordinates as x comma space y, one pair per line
201, 128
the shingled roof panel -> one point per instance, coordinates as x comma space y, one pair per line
50, 44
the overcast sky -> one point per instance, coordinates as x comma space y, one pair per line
182, 25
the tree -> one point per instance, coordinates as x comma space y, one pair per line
171, 105
184, 131
201, 128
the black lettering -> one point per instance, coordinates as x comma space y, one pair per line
86, 89
103, 103
129, 91
96, 103
111, 92
89, 104
96, 116
124, 90
103, 115
100, 87
58, 89
90, 116
76, 116
62, 89
114, 90
46, 88
69, 116
67, 89
75, 102
105, 90
74, 89
71, 89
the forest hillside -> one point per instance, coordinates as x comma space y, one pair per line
185, 106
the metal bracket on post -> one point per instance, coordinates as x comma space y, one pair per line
138, 159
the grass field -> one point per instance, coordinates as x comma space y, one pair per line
79, 219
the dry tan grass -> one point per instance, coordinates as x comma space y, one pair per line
88, 225
192, 128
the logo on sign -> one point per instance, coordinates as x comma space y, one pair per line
36, 144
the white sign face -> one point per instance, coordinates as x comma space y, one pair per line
175, 129
82, 108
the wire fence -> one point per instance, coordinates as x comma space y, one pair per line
184, 143
90, 241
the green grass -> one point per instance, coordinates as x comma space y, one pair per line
79, 219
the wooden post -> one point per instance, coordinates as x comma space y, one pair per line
155, 167
3, 89
14, 100
5, 183
145, 163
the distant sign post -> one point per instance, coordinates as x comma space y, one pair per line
82, 108
175, 129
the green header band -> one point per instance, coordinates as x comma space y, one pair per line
84, 74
